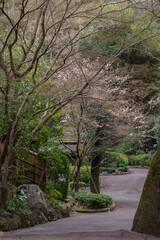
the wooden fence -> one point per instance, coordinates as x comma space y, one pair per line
31, 169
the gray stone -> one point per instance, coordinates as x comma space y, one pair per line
71, 201
1, 235
37, 202
40, 217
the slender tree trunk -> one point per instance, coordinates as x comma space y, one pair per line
76, 185
5, 172
5, 144
147, 217
95, 165
4, 185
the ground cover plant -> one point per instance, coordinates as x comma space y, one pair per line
91, 200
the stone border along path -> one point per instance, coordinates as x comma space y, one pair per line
125, 191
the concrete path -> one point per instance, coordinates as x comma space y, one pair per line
125, 190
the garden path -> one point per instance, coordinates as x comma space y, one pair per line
125, 190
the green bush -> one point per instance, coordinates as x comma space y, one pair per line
91, 200
114, 159
58, 169
129, 145
17, 203
53, 194
84, 175
108, 170
140, 159
123, 169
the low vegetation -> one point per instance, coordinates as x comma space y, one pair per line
114, 161
140, 159
91, 200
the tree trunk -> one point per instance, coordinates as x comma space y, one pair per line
4, 185
4, 145
95, 165
5, 172
76, 185
147, 217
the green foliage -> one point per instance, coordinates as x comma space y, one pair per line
84, 175
123, 169
112, 169
14, 174
18, 202
113, 161
140, 159
137, 55
129, 145
51, 129
58, 167
3, 213
91, 200
114, 158
98, 45
107, 169
81, 184
53, 194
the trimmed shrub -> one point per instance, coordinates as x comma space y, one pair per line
108, 170
91, 200
140, 159
123, 169
114, 159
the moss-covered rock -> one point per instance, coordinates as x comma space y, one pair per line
54, 214
27, 219
10, 223
40, 218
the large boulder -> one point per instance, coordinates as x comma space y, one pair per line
37, 202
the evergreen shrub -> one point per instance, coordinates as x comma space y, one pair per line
115, 159
91, 200
140, 159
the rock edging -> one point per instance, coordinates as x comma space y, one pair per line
100, 210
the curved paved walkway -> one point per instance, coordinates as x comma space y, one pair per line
125, 190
